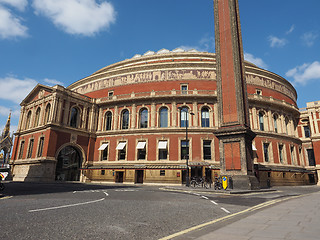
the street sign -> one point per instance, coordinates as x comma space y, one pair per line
3, 175
224, 182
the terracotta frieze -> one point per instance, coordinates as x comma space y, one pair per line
271, 84
166, 75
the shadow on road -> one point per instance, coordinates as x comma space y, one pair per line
33, 188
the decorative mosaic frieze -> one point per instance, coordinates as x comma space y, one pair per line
167, 75
271, 84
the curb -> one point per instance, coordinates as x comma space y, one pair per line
218, 191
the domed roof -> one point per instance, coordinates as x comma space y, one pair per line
178, 64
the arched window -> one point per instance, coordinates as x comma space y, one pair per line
144, 118
125, 119
184, 117
47, 113
108, 121
275, 123
28, 120
36, 121
205, 121
261, 122
74, 117
163, 117
306, 131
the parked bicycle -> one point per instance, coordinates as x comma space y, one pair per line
217, 183
199, 182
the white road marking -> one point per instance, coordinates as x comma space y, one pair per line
204, 197
88, 191
214, 202
225, 210
6, 197
126, 190
106, 193
65, 206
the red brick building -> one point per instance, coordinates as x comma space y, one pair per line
308, 132
127, 123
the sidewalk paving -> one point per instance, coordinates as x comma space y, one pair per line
295, 219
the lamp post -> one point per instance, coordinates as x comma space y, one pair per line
187, 141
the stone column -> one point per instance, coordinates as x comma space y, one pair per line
21, 119
84, 116
42, 113
254, 118
66, 113
282, 124
215, 112
315, 122
195, 116
59, 111
153, 115
100, 119
116, 120
133, 116
174, 114
53, 109
270, 122
91, 123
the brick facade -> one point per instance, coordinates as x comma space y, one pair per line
65, 127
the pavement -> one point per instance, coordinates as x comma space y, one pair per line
293, 219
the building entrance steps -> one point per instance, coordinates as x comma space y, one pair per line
294, 219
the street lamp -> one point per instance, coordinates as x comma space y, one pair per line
184, 109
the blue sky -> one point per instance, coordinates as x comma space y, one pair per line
61, 41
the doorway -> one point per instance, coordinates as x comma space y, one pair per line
119, 177
208, 175
184, 176
312, 179
68, 164
139, 176
196, 172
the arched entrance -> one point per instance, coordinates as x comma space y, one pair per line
68, 164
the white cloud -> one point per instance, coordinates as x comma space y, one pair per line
291, 29
309, 38
187, 48
10, 26
305, 73
205, 44
255, 60
79, 17
18, 4
4, 111
52, 82
14, 89
277, 42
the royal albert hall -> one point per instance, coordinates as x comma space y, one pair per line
142, 119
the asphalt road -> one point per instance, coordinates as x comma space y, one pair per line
88, 211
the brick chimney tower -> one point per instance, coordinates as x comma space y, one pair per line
234, 133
